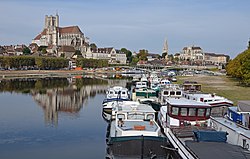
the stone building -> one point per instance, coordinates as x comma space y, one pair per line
53, 36
192, 53
216, 59
111, 54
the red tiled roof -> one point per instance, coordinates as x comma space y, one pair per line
70, 29
67, 49
38, 37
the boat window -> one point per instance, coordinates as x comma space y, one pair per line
150, 116
123, 92
183, 111
178, 93
201, 112
205, 100
135, 116
208, 112
111, 92
165, 92
175, 110
121, 116
192, 112
116, 92
172, 93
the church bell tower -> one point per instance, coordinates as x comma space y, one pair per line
165, 49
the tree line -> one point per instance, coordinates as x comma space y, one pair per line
19, 62
239, 67
91, 63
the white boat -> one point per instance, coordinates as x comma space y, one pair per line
219, 104
186, 124
117, 92
164, 82
170, 91
139, 85
114, 95
134, 132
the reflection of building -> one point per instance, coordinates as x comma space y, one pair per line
67, 100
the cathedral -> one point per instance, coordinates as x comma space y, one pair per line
53, 36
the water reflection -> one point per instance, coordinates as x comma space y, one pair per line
55, 95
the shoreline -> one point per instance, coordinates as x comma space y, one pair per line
44, 73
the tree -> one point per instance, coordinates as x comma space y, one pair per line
240, 67
26, 51
134, 61
93, 46
78, 52
44, 51
142, 55
128, 54
164, 55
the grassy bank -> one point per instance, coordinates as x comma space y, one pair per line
221, 85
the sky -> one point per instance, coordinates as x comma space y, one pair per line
218, 26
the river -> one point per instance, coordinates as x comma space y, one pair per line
53, 118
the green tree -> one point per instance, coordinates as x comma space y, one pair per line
44, 51
128, 54
134, 61
142, 55
93, 46
26, 51
164, 55
240, 67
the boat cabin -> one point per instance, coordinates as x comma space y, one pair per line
164, 82
170, 91
191, 86
133, 118
219, 104
117, 92
183, 112
141, 85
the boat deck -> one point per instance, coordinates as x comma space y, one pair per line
187, 131
217, 150
232, 125
139, 126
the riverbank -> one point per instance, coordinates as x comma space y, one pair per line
221, 85
39, 73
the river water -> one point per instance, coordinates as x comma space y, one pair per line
53, 118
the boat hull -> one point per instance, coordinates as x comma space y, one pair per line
138, 146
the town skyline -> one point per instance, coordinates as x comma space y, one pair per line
220, 27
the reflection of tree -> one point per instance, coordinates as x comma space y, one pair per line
26, 85
56, 95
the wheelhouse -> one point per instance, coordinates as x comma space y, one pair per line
183, 112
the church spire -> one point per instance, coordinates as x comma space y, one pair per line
165, 49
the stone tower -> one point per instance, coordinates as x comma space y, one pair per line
165, 49
51, 25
